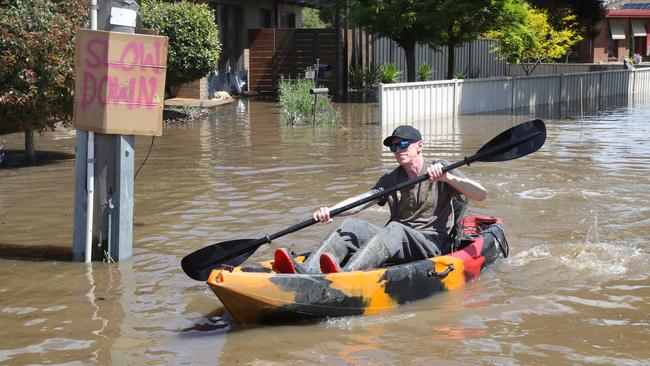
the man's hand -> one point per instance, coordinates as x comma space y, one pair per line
323, 215
436, 174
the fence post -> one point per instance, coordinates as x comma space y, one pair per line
582, 96
512, 95
559, 90
456, 97
600, 89
563, 95
633, 87
382, 103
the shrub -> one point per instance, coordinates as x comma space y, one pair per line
460, 75
389, 73
193, 37
355, 78
424, 72
371, 75
297, 104
311, 19
37, 64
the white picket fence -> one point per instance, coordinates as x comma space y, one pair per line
410, 102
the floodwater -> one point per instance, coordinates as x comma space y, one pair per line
574, 290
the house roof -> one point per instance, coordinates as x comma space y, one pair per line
629, 9
309, 3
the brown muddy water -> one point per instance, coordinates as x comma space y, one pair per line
575, 289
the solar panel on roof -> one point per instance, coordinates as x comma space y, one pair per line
641, 6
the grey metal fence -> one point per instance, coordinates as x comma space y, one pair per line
408, 102
473, 60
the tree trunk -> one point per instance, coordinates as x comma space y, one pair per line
451, 59
409, 51
30, 150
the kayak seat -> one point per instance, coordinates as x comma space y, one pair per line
457, 233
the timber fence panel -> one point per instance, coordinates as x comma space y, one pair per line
287, 52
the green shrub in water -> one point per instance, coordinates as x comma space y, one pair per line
297, 104
388, 73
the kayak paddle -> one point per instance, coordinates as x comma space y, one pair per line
514, 143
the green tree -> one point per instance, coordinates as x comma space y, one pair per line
311, 19
37, 65
193, 37
406, 22
460, 21
539, 40
327, 11
436, 22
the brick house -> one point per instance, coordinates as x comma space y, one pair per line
623, 33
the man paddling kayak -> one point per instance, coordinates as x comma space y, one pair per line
421, 216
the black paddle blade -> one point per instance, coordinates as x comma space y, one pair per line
514, 143
198, 265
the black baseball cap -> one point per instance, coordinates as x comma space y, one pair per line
405, 132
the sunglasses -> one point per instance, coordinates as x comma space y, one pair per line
402, 145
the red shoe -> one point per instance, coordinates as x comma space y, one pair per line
285, 263
328, 264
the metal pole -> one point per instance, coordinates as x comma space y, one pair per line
93, 14
90, 168
313, 109
339, 62
346, 54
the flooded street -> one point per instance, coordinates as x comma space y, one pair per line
574, 290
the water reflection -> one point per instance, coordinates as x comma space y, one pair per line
33, 252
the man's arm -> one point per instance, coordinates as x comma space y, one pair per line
323, 213
463, 185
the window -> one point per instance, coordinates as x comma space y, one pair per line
291, 20
616, 29
616, 32
612, 47
265, 18
287, 20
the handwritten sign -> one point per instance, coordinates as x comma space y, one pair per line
120, 82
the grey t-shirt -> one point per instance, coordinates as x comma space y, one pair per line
426, 207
